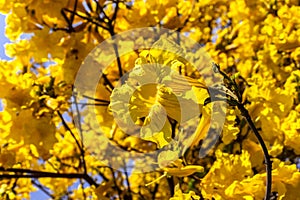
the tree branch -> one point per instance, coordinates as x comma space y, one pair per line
28, 173
268, 161
235, 99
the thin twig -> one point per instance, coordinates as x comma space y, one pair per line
82, 188
112, 21
127, 181
82, 152
68, 129
118, 58
109, 84
95, 99
86, 18
74, 10
42, 189
115, 182
111, 27
99, 7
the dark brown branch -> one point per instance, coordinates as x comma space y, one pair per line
231, 91
74, 10
115, 182
112, 21
95, 99
70, 26
109, 84
154, 190
42, 188
111, 27
86, 176
82, 152
27, 173
68, 129
82, 188
129, 196
100, 8
118, 58
83, 105
268, 161
89, 19
171, 185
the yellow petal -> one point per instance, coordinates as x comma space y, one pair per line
184, 171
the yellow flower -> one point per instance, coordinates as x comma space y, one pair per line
154, 93
225, 171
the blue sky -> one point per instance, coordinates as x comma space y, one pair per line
3, 39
